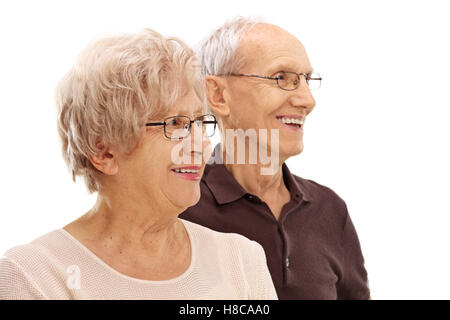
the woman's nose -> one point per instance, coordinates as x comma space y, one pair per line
193, 144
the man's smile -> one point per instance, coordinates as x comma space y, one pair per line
292, 121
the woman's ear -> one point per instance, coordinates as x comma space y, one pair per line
216, 91
105, 161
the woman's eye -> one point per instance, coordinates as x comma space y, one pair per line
175, 123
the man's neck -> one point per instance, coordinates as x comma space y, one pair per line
250, 178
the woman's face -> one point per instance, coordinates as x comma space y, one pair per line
150, 171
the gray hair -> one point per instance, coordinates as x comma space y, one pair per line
115, 86
217, 52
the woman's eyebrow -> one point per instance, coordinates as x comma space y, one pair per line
197, 113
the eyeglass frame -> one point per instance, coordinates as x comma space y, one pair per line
277, 78
163, 123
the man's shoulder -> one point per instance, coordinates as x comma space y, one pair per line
325, 206
318, 192
324, 200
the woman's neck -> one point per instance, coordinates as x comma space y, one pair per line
132, 227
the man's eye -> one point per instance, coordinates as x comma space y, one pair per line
280, 75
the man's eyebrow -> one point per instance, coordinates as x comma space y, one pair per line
289, 67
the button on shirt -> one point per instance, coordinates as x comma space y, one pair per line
312, 250
287, 262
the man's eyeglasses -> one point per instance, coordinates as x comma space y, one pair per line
288, 80
179, 127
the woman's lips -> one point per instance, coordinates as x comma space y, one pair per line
189, 172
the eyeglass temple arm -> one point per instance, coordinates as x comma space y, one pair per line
212, 122
205, 121
255, 76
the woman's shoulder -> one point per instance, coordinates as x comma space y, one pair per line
243, 259
50, 255
23, 267
223, 240
31, 249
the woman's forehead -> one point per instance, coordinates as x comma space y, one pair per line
188, 104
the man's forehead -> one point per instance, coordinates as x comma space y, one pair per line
271, 45
266, 31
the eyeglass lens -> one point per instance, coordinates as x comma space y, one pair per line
291, 80
180, 126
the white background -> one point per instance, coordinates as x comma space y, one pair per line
378, 135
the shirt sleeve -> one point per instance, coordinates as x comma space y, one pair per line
353, 284
262, 287
15, 284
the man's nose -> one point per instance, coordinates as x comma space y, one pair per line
302, 96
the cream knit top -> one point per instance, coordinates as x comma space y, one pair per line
58, 266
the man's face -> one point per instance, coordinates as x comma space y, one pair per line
260, 103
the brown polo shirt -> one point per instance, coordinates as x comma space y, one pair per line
312, 251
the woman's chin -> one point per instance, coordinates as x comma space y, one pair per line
187, 199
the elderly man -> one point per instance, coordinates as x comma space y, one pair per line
258, 77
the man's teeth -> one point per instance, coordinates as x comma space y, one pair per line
185, 170
291, 121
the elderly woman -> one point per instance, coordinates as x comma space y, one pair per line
127, 110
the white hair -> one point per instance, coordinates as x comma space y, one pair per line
116, 85
217, 52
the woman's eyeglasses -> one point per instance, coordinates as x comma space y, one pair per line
179, 127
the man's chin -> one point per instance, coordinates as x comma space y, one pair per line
291, 150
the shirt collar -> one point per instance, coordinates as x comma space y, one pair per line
226, 189
297, 190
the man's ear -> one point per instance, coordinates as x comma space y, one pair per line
216, 91
105, 161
